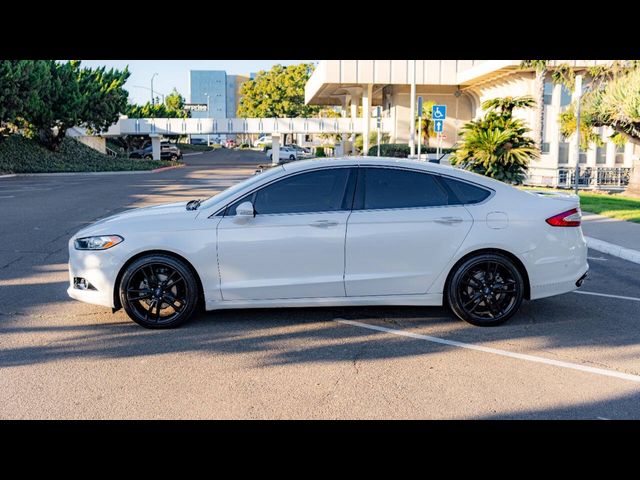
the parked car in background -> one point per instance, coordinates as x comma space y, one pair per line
198, 141
168, 151
230, 143
286, 154
262, 141
336, 232
301, 151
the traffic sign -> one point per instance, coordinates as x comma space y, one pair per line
439, 112
437, 126
419, 107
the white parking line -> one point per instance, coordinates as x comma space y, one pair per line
495, 351
621, 297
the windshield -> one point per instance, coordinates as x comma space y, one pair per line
231, 191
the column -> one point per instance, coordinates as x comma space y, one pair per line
275, 148
155, 146
366, 118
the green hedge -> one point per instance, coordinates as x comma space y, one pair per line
320, 152
23, 155
401, 150
188, 147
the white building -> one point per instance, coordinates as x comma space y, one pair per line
462, 85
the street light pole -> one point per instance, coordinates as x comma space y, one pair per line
578, 91
152, 98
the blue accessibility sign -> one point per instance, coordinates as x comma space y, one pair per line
437, 126
439, 112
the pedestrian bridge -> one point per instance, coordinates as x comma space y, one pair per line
215, 126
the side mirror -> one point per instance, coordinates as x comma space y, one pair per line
245, 209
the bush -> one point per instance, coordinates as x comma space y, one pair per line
22, 155
189, 147
401, 150
320, 152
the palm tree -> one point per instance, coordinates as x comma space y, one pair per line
540, 67
505, 105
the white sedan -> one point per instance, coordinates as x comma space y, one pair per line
351, 231
286, 154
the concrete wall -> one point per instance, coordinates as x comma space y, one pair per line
97, 143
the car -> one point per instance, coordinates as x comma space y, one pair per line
262, 141
300, 151
230, 143
167, 152
352, 231
198, 141
286, 154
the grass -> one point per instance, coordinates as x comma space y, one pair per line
609, 205
23, 155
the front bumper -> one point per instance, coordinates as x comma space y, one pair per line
100, 268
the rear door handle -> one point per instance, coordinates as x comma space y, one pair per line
324, 223
448, 220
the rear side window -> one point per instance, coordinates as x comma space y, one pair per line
394, 188
464, 192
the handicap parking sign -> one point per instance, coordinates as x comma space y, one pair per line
439, 112
437, 126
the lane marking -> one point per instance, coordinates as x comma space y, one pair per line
603, 418
8, 196
621, 297
597, 258
495, 351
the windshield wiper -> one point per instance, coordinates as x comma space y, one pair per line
193, 204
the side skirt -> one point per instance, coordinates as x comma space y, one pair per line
410, 300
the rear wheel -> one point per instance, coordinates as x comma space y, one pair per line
158, 291
292, 157
485, 290
148, 157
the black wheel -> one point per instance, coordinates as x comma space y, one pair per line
271, 157
158, 291
174, 158
292, 157
485, 290
148, 157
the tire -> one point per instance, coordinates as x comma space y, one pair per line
174, 158
292, 157
148, 157
485, 290
271, 157
147, 300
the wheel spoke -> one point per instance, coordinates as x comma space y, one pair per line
178, 280
474, 300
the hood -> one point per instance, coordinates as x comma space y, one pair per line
137, 216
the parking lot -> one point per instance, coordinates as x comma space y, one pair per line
575, 356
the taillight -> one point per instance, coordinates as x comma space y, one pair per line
570, 218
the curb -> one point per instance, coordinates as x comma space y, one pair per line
628, 254
162, 169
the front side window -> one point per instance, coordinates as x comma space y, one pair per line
386, 188
318, 191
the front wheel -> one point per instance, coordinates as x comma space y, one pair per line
485, 290
158, 291
292, 157
148, 157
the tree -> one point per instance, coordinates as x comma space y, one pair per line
497, 145
277, 93
427, 123
540, 67
613, 100
173, 107
21, 84
174, 101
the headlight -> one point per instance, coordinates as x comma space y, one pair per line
97, 243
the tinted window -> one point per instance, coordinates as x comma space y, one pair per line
319, 191
465, 192
392, 188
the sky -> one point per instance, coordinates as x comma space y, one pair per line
175, 73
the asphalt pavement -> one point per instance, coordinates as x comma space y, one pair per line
575, 356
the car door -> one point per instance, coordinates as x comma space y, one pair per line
402, 232
294, 245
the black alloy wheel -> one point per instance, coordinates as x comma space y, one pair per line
485, 290
158, 291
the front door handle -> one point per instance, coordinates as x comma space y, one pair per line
448, 220
323, 223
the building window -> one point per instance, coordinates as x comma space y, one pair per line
619, 154
544, 148
548, 92
582, 157
565, 97
563, 152
601, 154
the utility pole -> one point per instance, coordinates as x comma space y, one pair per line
412, 113
208, 116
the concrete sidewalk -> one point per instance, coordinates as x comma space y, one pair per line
612, 236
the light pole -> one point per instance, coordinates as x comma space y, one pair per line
206, 94
152, 99
578, 92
